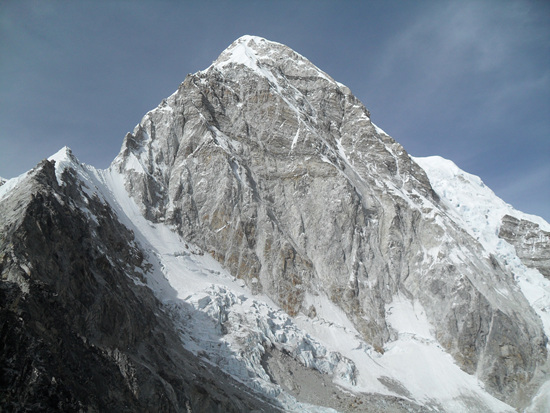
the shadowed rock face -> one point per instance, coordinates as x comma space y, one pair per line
78, 333
276, 169
531, 242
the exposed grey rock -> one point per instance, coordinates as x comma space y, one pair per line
531, 242
312, 387
277, 170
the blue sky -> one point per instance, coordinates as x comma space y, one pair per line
467, 80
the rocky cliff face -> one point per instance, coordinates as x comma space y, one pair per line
268, 165
277, 170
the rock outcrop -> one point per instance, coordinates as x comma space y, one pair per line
531, 242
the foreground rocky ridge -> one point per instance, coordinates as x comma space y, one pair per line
79, 331
274, 169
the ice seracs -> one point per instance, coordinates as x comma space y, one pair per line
470, 199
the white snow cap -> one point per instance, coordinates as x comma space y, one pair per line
474, 202
261, 55
64, 159
245, 51
247, 37
65, 154
239, 52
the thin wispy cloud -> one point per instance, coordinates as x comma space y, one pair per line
526, 186
471, 81
525, 182
456, 40
503, 100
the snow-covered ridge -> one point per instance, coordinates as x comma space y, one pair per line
241, 52
470, 199
479, 210
63, 158
9, 184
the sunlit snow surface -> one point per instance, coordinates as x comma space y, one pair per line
415, 364
9, 184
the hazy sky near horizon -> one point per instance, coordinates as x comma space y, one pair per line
466, 80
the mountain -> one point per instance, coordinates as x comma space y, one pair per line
260, 245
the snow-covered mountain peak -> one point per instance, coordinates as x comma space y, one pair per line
243, 51
65, 154
263, 56
247, 50
469, 198
64, 159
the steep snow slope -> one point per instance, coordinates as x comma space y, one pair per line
477, 209
9, 184
470, 201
